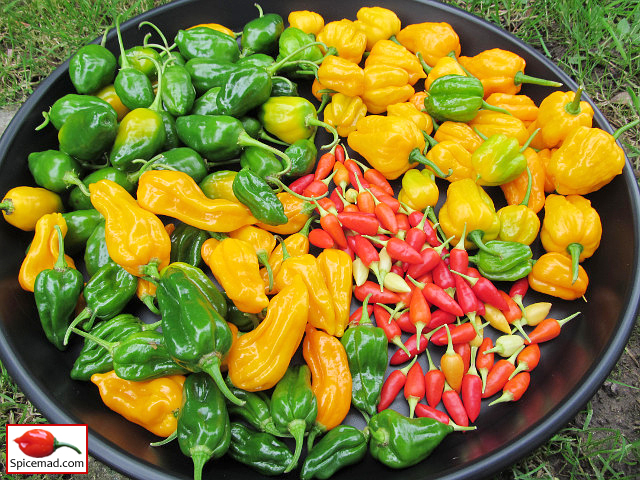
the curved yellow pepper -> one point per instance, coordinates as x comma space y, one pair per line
377, 24
346, 38
258, 238
386, 52
336, 269
558, 116
491, 123
296, 245
419, 189
385, 85
460, 133
341, 75
552, 275
23, 206
408, 110
343, 112
307, 21
296, 210
468, 205
259, 358
496, 69
448, 154
151, 403
433, 40
444, 66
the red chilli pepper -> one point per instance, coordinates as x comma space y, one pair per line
430, 259
374, 177
434, 383
486, 291
339, 153
390, 327
439, 318
330, 224
392, 386
454, 406
443, 277
401, 356
527, 359
514, 388
340, 176
364, 250
355, 174
405, 324
419, 312
338, 200
462, 333
324, 166
299, 185
385, 296
513, 312
451, 364
356, 316
548, 329
458, 256
464, 350
399, 249
40, 443
360, 222
499, 375
423, 410
438, 297
484, 361
320, 238
414, 387
386, 216
471, 389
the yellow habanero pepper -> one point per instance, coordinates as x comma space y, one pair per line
235, 265
552, 275
23, 206
296, 245
460, 133
385, 85
433, 40
331, 380
341, 75
559, 114
520, 106
263, 243
490, 123
44, 249
587, 160
343, 112
135, 237
419, 189
377, 24
216, 26
571, 227
109, 95
336, 269
386, 52
298, 212
448, 154
346, 38
519, 223
177, 195
444, 66
468, 206
152, 404
259, 358
515, 190
417, 99
307, 21
408, 110
219, 184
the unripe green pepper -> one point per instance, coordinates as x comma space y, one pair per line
342, 446
207, 73
218, 184
184, 159
54, 170
291, 40
259, 161
254, 192
186, 242
499, 159
79, 200
245, 89
204, 429
87, 134
243, 320
171, 139
56, 293
206, 103
71, 103
204, 42
91, 68
256, 410
283, 87
261, 34
140, 135
501, 261
257, 60
255, 130
96, 254
259, 450
80, 225
139, 57
214, 296
178, 93
132, 85
294, 407
303, 154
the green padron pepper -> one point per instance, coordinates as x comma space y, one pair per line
80, 225
243, 320
257, 60
294, 407
141, 58
254, 192
184, 159
186, 242
501, 261
283, 87
456, 98
206, 104
366, 346
195, 333
91, 68
291, 40
399, 442
259, 450
260, 161
204, 429
178, 93
342, 446
79, 198
255, 130
499, 159
303, 154
71, 103
171, 139
204, 42
207, 73
87, 134
56, 292
261, 34
55, 170
96, 254
256, 410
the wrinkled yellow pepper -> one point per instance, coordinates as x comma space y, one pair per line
552, 275
433, 40
386, 52
346, 38
377, 24
385, 85
419, 189
343, 112
307, 21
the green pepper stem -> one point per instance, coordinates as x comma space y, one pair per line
151, 326
103, 42
123, 55
520, 78
529, 140
57, 444
285, 252
575, 250
246, 140
263, 258
46, 121
7, 206
326, 98
158, 31
381, 436
61, 263
261, 13
365, 319
566, 319
573, 107
480, 134
312, 120
525, 200
297, 428
164, 441
265, 136
429, 139
395, 40
156, 105
200, 455
493, 108
476, 237
211, 364
83, 315
108, 346
71, 178
416, 156
148, 301
436, 224
425, 66
315, 430
286, 61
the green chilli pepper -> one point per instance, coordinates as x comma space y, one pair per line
256, 410
303, 154
171, 139
72, 103
87, 134
91, 68
141, 58
257, 60
204, 429
262, 162
204, 42
218, 184
259, 450
399, 442
184, 159
294, 407
254, 192
95, 358
195, 333
96, 254
56, 293
342, 446
456, 98
207, 73
283, 87
178, 93
366, 348
214, 296
55, 170
79, 198
261, 34
186, 242
80, 225
499, 260
292, 40
206, 104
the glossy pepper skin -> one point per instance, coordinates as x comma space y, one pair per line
204, 42
185, 160
559, 115
23, 206
141, 134
343, 112
343, 76
91, 68
176, 194
306, 20
96, 253
259, 161
449, 154
343, 446
399, 442
296, 210
261, 34
80, 226
150, 404
385, 85
186, 243
109, 95
219, 185
56, 293
433, 40
419, 189
68, 104
489, 123
458, 132
518, 223
377, 24
498, 160
444, 66
178, 92
407, 109
135, 237
387, 52
346, 38
254, 192
337, 271
79, 200
260, 451
455, 98
587, 160
88, 133
499, 260
520, 106
303, 154
259, 358
552, 274
515, 190
53, 169
203, 425
468, 203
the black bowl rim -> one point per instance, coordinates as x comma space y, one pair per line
491, 463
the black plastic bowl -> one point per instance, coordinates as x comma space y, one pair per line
572, 368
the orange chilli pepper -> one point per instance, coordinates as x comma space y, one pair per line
452, 364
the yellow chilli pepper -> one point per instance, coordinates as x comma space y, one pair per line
307, 21
545, 156
23, 206
135, 237
44, 249
219, 184
336, 269
377, 24
519, 223
296, 245
417, 99
490, 123
263, 243
460, 133
386, 52
235, 266
341, 75
448, 154
152, 404
109, 95
177, 195
552, 275
444, 66
296, 210
515, 190
587, 160
216, 26
559, 114
408, 110
385, 85
259, 358
571, 227
343, 112
520, 106
468, 206
419, 189
431, 39
496, 319
346, 38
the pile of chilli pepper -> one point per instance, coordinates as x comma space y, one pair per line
196, 157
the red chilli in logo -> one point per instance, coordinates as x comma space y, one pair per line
40, 443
